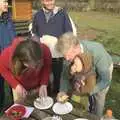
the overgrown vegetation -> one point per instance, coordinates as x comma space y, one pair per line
86, 5
104, 28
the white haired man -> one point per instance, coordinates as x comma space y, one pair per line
70, 46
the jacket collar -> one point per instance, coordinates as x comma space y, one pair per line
82, 49
55, 10
4, 17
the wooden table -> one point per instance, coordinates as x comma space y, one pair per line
40, 114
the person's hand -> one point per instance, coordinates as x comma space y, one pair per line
77, 86
20, 90
43, 91
62, 97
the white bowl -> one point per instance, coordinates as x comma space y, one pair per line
47, 103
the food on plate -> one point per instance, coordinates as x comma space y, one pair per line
16, 112
43, 103
63, 98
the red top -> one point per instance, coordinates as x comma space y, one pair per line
31, 79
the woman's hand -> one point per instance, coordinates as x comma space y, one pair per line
20, 90
43, 91
77, 86
62, 97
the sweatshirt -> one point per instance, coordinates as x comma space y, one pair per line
30, 79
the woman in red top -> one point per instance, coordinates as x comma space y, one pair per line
26, 65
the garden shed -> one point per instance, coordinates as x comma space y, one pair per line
21, 9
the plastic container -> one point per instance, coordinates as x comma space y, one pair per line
108, 115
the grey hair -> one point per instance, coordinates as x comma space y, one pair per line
66, 41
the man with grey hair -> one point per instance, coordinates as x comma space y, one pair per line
70, 46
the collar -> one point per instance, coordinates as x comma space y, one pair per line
82, 49
4, 17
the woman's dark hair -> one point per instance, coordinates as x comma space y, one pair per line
27, 51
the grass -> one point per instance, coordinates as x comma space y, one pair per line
113, 99
104, 28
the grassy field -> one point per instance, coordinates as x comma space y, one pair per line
104, 28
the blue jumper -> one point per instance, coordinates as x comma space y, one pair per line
57, 25
7, 34
7, 31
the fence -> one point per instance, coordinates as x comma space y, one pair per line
86, 5
108, 5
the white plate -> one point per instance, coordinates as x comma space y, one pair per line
61, 109
48, 118
47, 103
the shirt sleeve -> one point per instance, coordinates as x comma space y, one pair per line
64, 81
5, 70
11, 27
104, 71
12, 30
67, 23
46, 70
34, 25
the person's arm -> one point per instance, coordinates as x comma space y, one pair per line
5, 70
67, 23
46, 70
64, 81
34, 26
74, 29
104, 73
12, 30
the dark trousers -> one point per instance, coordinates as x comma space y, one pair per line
91, 103
57, 66
1, 92
6, 97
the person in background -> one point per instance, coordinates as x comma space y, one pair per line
53, 21
70, 46
7, 34
26, 66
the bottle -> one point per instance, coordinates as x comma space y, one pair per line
108, 115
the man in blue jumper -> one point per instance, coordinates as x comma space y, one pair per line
7, 34
70, 46
54, 21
